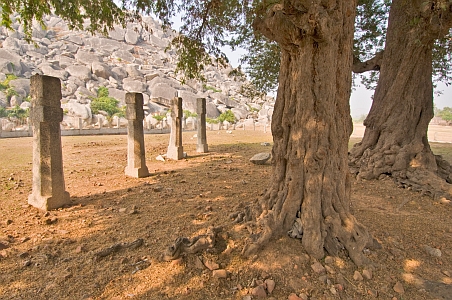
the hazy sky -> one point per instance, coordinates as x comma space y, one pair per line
361, 99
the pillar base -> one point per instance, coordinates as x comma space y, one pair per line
137, 172
49, 202
175, 153
202, 148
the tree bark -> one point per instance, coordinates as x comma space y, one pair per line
395, 140
311, 126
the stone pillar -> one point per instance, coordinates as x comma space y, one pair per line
136, 159
202, 135
48, 188
175, 149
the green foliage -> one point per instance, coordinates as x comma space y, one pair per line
212, 121
445, 113
4, 85
3, 112
189, 114
105, 103
211, 88
158, 117
11, 92
17, 112
227, 116
250, 91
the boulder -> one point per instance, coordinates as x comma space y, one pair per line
239, 113
162, 90
212, 111
101, 70
131, 36
21, 84
86, 57
131, 85
123, 56
50, 71
81, 72
10, 62
117, 33
260, 158
77, 110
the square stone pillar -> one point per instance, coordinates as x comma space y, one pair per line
136, 158
175, 149
48, 188
202, 135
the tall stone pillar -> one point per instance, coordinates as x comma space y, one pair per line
48, 188
202, 135
136, 159
175, 149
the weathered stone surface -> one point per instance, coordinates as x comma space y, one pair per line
86, 57
117, 33
48, 187
162, 90
101, 70
82, 72
260, 158
123, 56
136, 86
175, 148
131, 36
10, 62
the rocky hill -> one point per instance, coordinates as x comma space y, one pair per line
131, 59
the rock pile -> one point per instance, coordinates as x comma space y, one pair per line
131, 59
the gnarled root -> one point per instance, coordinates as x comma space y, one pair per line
190, 246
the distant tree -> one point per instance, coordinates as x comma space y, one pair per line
445, 114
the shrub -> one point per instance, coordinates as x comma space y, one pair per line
227, 116
189, 114
17, 112
105, 103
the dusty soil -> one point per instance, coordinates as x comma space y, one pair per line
93, 249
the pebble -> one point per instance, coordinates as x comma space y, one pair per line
50, 221
367, 274
270, 283
198, 264
220, 273
318, 268
329, 260
432, 251
357, 276
160, 158
447, 273
3, 246
398, 288
294, 296
177, 262
211, 265
27, 263
9, 222
259, 292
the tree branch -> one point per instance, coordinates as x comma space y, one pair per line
372, 64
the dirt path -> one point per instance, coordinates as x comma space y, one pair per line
108, 244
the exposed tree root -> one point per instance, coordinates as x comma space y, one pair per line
190, 246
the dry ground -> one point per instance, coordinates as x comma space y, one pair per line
58, 255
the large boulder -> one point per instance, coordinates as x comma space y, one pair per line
82, 72
118, 95
131, 85
123, 56
212, 110
10, 62
239, 113
77, 110
117, 33
131, 36
101, 70
162, 90
86, 57
49, 70
21, 84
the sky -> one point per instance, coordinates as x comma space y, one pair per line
361, 99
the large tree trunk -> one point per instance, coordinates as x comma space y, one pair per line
311, 127
395, 141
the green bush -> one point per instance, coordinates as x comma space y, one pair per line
158, 117
5, 83
106, 103
189, 114
212, 121
17, 112
208, 87
3, 112
227, 116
